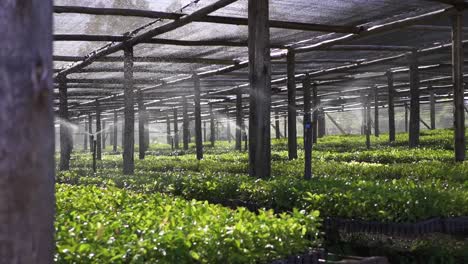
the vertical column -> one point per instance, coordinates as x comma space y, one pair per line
315, 112
406, 116
239, 119
66, 139
212, 126
285, 126
85, 138
432, 107
458, 89
292, 130
307, 129
129, 114
321, 123
391, 107
198, 132
376, 112
277, 124
368, 120
168, 130
185, 124
260, 90
176, 129
414, 102
90, 132
104, 135
114, 148
204, 131
98, 132
141, 126
228, 125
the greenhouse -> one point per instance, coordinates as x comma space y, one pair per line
233, 131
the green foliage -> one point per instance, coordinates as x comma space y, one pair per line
114, 226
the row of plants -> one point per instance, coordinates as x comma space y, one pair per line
397, 200
119, 226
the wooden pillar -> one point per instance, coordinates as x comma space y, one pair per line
204, 131
104, 135
185, 124
114, 148
414, 102
129, 114
141, 126
277, 125
228, 126
260, 89
391, 107
66, 137
307, 129
432, 109
321, 123
458, 89
168, 130
363, 115
239, 120
90, 132
176, 129
376, 112
198, 132
315, 112
292, 112
85, 137
26, 133
368, 121
98, 132
212, 126
406, 117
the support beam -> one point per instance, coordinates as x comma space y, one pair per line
141, 126
204, 131
129, 114
406, 116
176, 129
85, 136
285, 126
104, 135
239, 120
307, 129
277, 126
458, 89
168, 130
315, 113
185, 124
260, 89
114, 147
212, 127
90, 132
98, 132
391, 107
414, 126
343, 132
376, 112
368, 120
198, 129
292, 112
66, 139
432, 109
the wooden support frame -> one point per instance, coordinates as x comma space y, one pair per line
414, 126
104, 135
129, 114
212, 126
376, 111
277, 125
141, 126
308, 141
90, 132
98, 132
391, 107
176, 128
85, 136
315, 112
432, 101
185, 124
198, 128
115, 134
168, 130
66, 139
368, 120
292, 112
260, 89
406, 116
458, 87
239, 121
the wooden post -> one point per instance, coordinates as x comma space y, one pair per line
368, 120
260, 89
168, 130
176, 129
316, 104
292, 130
198, 132
104, 135
228, 126
185, 124
307, 129
239, 119
432, 107
204, 131
406, 117
458, 89
114, 148
212, 126
85, 137
66, 138
98, 132
277, 125
90, 132
376, 112
414, 102
391, 107
363, 115
129, 114
141, 126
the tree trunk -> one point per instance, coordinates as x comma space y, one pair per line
26, 133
